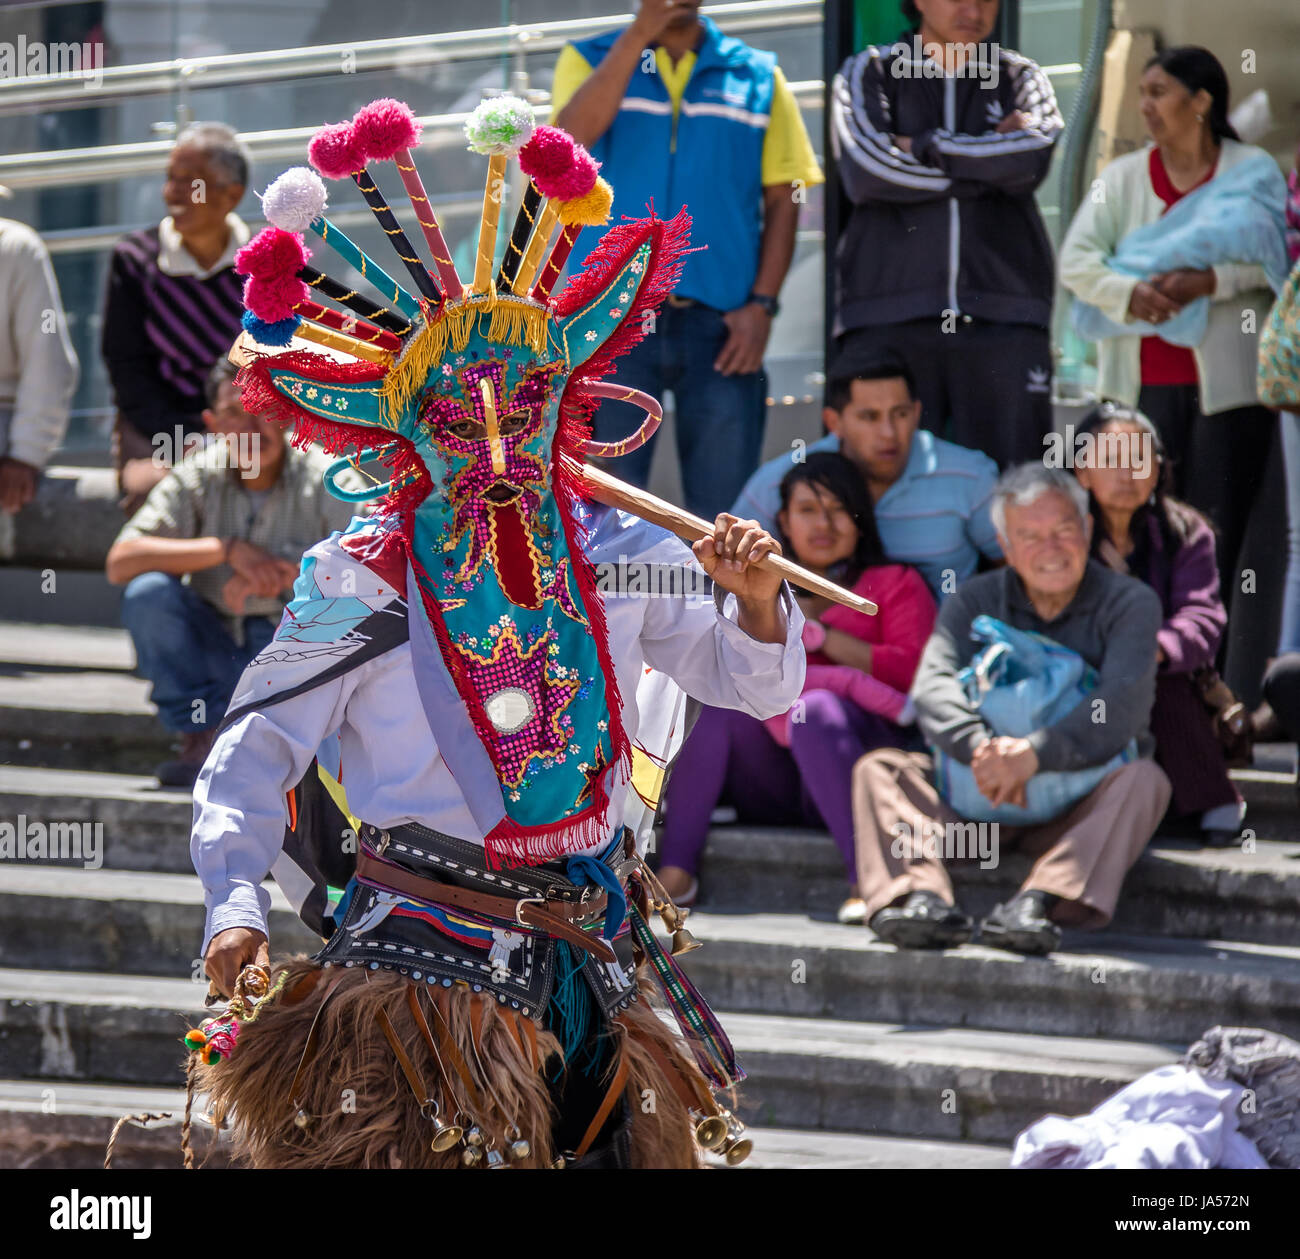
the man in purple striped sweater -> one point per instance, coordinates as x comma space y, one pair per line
173, 306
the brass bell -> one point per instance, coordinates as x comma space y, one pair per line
684, 942
445, 1135
738, 1147
518, 1148
494, 1160
737, 1152
302, 1120
711, 1131
559, 1163
471, 1156
474, 1135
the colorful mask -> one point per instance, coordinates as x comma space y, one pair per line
478, 399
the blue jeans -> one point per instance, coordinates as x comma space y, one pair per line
1289, 640
719, 418
183, 647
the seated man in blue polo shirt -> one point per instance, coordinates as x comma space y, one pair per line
932, 497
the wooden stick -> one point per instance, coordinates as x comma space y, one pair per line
615, 493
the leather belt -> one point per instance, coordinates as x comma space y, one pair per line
563, 919
681, 302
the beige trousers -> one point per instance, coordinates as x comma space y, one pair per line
1081, 856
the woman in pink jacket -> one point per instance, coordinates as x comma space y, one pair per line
795, 769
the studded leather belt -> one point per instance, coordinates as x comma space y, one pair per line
563, 919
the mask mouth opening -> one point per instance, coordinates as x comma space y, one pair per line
501, 491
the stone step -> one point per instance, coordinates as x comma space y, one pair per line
957, 1084
145, 827
1101, 984
66, 1126
916, 1081
1177, 888
126, 922
79, 719
40, 595
74, 647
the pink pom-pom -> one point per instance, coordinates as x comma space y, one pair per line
335, 152
272, 252
272, 298
547, 157
578, 180
384, 127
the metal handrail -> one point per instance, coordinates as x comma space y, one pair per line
188, 73
57, 168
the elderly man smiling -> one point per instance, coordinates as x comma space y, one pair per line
1050, 587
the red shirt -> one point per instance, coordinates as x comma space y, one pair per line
1162, 363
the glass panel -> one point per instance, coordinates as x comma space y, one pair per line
82, 223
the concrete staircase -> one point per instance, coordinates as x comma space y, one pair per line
858, 1055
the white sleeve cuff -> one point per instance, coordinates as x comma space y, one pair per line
242, 905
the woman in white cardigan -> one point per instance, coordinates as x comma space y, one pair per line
1203, 399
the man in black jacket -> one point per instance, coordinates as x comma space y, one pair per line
941, 140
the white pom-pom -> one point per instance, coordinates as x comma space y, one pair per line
295, 199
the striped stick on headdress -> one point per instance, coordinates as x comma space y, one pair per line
387, 130
296, 202
338, 150
498, 127
279, 306
558, 187
590, 210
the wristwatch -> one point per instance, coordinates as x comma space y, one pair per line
769, 304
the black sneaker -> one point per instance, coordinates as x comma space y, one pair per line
924, 921
1022, 924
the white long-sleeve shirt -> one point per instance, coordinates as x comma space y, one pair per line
392, 770
38, 368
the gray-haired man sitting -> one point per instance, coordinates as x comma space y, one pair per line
1050, 587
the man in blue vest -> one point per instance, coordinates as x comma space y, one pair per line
682, 115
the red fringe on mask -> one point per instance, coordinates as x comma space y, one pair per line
335, 437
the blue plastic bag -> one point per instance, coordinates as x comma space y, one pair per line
1019, 683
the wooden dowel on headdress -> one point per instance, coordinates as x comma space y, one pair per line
677, 520
546, 222
354, 301
343, 245
337, 341
365, 181
589, 210
494, 192
525, 221
428, 221
555, 263
349, 324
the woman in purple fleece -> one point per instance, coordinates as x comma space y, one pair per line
795, 769
1138, 529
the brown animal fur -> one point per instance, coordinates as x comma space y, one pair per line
381, 1126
